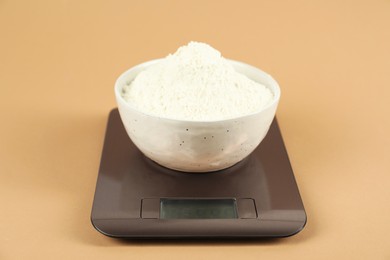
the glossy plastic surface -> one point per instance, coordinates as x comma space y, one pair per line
264, 180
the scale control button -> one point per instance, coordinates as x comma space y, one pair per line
150, 208
246, 208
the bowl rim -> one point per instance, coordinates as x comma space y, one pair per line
272, 84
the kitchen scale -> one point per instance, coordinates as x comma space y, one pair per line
137, 198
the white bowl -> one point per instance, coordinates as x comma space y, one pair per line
197, 146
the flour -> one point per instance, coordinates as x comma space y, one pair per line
195, 83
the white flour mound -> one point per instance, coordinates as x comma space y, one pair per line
195, 83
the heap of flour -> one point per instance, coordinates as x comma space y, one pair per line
195, 83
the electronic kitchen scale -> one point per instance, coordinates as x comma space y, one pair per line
137, 198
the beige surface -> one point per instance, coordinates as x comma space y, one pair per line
58, 64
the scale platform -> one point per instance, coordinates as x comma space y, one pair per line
137, 198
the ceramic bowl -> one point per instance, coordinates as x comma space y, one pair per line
197, 146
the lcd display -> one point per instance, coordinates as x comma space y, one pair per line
198, 209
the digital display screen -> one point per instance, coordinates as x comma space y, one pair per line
198, 209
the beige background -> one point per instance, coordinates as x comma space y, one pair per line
58, 63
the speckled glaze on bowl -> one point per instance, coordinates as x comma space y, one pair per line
197, 146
